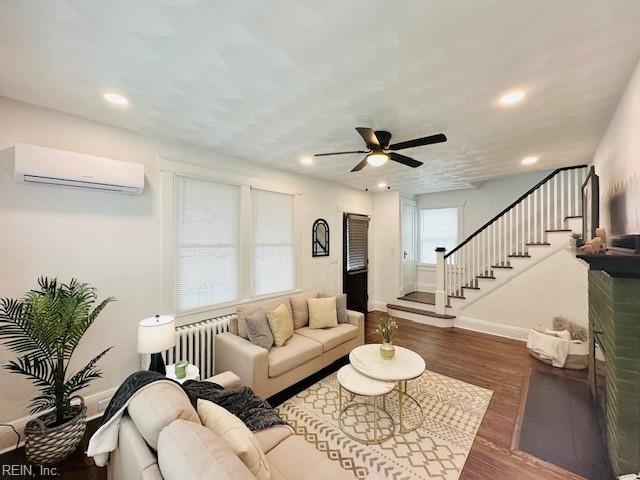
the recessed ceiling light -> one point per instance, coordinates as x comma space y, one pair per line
306, 160
377, 159
511, 98
529, 160
382, 185
116, 98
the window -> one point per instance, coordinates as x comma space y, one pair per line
227, 240
438, 228
207, 222
357, 227
273, 245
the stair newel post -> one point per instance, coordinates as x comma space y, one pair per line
441, 285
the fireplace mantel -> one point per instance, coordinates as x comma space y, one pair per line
617, 262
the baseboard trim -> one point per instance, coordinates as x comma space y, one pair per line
380, 306
96, 404
492, 328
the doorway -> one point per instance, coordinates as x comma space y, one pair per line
355, 270
409, 220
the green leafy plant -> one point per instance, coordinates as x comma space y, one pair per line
45, 328
576, 236
387, 328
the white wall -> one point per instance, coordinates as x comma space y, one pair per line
386, 226
477, 207
617, 162
113, 241
556, 286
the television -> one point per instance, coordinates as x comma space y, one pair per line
590, 205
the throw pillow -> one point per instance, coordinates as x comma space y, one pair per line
322, 312
341, 307
300, 310
236, 434
281, 324
258, 330
191, 450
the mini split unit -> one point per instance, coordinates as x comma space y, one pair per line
57, 167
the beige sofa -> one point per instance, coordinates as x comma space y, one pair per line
308, 351
289, 456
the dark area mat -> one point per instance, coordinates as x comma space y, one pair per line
560, 426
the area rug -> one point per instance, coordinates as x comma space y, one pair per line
438, 449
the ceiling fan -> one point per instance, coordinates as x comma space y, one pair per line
378, 146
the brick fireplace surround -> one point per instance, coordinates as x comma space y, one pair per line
614, 321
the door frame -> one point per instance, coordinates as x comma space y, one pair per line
338, 247
412, 203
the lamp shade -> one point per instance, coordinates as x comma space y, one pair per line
156, 334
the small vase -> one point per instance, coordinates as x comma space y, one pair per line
387, 350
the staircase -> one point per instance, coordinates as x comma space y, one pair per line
533, 227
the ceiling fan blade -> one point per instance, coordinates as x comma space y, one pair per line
360, 166
410, 162
369, 137
439, 138
339, 153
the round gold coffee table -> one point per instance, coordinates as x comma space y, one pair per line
404, 366
358, 413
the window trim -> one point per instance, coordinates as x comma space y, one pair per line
169, 170
460, 209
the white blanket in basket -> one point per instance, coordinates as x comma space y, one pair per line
549, 347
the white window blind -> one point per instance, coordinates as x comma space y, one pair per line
438, 228
207, 226
273, 242
357, 227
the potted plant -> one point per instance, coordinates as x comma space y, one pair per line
576, 241
44, 328
387, 328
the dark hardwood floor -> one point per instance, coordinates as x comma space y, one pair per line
496, 363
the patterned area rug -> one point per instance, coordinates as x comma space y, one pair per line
438, 449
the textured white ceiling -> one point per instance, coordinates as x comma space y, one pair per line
270, 81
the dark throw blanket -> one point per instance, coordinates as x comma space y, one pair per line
255, 412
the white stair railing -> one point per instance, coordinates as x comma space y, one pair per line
525, 222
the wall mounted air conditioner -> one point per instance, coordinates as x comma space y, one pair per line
47, 165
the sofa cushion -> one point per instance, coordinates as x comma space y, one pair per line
297, 351
296, 459
281, 323
341, 306
190, 450
243, 310
258, 329
269, 438
155, 406
330, 337
322, 312
236, 434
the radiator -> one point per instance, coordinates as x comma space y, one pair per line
196, 344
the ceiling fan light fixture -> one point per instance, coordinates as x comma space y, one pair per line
377, 159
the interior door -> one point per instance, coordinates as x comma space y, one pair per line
409, 228
355, 280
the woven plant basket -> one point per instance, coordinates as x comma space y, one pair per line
47, 445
